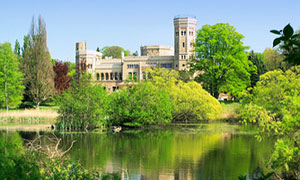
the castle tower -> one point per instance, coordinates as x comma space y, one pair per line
184, 39
80, 55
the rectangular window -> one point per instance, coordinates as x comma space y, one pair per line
183, 44
132, 66
181, 33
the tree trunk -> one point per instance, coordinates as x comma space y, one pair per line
37, 106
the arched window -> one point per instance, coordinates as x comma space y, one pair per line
106, 76
111, 76
116, 76
102, 76
98, 76
183, 44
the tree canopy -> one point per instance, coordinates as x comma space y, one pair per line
221, 60
113, 51
11, 79
273, 59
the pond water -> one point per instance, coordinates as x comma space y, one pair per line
199, 151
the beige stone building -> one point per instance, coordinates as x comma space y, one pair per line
112, 72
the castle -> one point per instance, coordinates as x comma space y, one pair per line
112, 72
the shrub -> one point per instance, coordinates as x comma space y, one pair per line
81, 107
192, 102
189, 100
141, 105
275, 106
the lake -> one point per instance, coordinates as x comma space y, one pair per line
194, 151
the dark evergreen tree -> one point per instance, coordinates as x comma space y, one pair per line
260, 67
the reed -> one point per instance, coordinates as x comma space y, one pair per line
28, 116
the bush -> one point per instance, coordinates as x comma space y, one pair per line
192, 102
275, 106
189, 100
81, 107
141, 105
18, 162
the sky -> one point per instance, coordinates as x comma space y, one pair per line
132, 23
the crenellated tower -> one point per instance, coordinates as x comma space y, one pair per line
184, 39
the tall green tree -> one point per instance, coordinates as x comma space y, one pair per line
38, 69
11, 85
221, 60
273, 59
17, 49
260, 69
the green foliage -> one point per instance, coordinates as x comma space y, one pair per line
221, 60
273, 59
261, 177
260, 68
14, 161
18, 162
11, 85
190, 102
37, 66
185, 75
81, 107
275, 106
143, 104
113, 51
290, 44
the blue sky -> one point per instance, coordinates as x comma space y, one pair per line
132, 23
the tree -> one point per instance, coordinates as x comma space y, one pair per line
11, 86
190, 102
289, 43
273, 59
98, 49
17, 49
141, 105
113, 51
135, 53
81, 107
62, 80
275, 105
257, 61
38, 69
221, 60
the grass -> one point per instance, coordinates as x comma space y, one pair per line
28, 117
230, 110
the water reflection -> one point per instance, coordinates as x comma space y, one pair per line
198, 152
187, 153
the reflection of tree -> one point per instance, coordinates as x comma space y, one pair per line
242, 154
162, 154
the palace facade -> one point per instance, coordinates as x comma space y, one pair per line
112, 72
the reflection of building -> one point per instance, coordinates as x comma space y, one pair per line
112, 72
